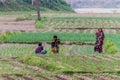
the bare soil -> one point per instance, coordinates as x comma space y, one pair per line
8, 24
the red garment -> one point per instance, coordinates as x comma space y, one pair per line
99, 41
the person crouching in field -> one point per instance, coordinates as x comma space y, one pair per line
99, 41
55, 44
40, 49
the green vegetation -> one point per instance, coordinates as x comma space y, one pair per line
14, 5
76, 56
61, 63
40, 23
23, 5
16, 50
64, 64
6, 35
18, 12
40, 62
29, 37
47, 37
53, 62
25, 17
16, 71
82, 22
109, 47
59, 5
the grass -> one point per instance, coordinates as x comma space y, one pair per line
16, 71
17, 12
13, 51
50, 61
12, 70
69, 60
70, 63
85, 49
59, 63
26, 17
34, 12
72, 22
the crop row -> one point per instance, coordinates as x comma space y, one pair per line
81, 22
21, 71
73, 60
42, 75
62, 63
47, 37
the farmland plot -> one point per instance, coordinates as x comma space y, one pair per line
80, 24
74, 63
56, 23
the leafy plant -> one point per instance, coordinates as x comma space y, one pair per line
40, 23
110, 47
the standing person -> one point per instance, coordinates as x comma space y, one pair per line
40, 49
55, 44
99, 41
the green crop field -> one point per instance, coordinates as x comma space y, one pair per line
47, 37
76, 59
37, 37
72, 63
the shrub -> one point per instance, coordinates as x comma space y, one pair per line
40, 23
110, 47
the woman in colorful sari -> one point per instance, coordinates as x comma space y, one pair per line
99, 41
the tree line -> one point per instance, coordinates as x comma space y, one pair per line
31, 4
51, 4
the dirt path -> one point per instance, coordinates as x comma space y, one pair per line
8, 24
25, 26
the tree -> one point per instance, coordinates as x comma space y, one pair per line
38, 9
32, 2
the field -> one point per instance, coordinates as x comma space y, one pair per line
76, 60
97, 10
